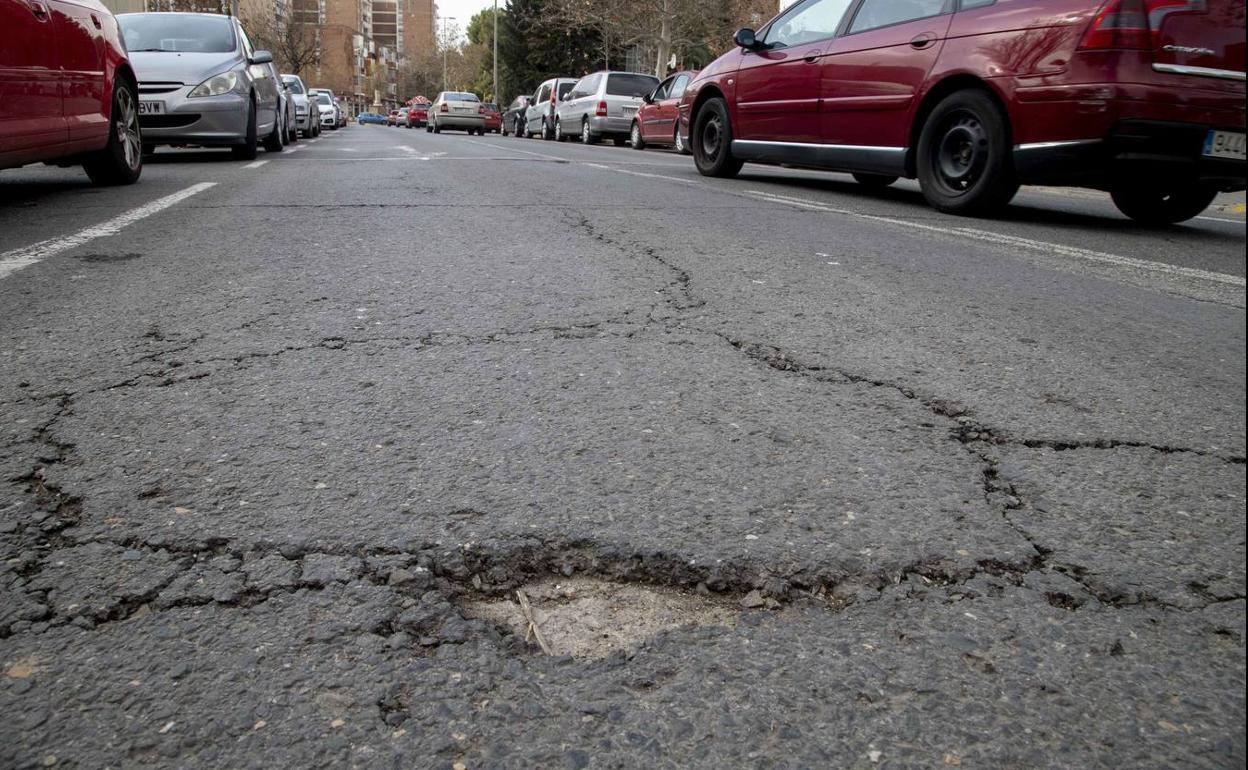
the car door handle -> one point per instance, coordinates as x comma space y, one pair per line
38, 9
811, 57
925, 40
96, 21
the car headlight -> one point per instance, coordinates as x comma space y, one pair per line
216, 85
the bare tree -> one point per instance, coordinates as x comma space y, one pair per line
293, 37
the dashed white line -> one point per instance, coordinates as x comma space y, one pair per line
256, 164
12, 261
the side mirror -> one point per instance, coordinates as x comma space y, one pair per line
746, 39
648, 98
261, 57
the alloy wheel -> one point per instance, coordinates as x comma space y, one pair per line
128, 128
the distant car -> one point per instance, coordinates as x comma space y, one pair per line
418, 115
367, 118
513, 118
286, 107
305, 113
325, 105
68, 107
202, 83
457, 110
493, 120
401, 120
539, 117
393, 118
602, 106
658, 120
340, 115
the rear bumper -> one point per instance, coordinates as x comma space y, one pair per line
1131, 150
599, 126
459, 121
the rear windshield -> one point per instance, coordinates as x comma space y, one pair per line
295, 84
564, 88
631, 85
177, 33
490, 106
461, 97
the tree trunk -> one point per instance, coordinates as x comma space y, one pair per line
664, 46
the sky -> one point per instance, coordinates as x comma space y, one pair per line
463, 10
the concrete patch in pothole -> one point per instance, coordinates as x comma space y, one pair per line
588, 618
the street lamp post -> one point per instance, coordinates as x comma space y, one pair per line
445, 45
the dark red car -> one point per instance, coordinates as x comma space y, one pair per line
418, 115
67, 92
493, 118
1142, 98
657, 121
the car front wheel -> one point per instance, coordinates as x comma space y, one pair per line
1155, 205
635, 138
247, 150
121, 160
712, 141
965, 163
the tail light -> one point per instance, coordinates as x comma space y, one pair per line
444, 108
1132, 24
602, 110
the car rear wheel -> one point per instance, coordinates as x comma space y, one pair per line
436, 128
635, 138
247, 150
875, 181
1154, 205
121, 160
965, 163
712, 141
587, 136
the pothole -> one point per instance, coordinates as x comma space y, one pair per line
588, 618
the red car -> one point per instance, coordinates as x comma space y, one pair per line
493, 118
418, 115
657, 121
1142, 98
67, 92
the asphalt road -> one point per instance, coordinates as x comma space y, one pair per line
793, 475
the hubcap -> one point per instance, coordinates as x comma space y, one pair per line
962, 152
636, 135
712, 138
585, 133
128, 129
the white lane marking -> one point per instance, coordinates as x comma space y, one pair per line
1220, 219
256, 164
644, 174
404, 148
12, 261
1002, 239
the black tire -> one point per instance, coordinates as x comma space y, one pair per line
1154, 205
712, 141
436, 128
635, 138
428, 128
248, 150
273, 142
121, 160
965, 159
587, 136
875, 181
548, 131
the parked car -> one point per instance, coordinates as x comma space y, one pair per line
305, 113
326, 106
68, 94
286, 107
602, 105
365, 118
340, 115
513, 118
493, 119
418, 115
393, 118
457, 109
1142, 98
202, 83
539, 117
657, 121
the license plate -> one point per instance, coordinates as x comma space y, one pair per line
630, 110
1224, 144
151, 108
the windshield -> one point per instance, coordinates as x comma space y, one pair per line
295, 84
323, 99
176, 32
630, 85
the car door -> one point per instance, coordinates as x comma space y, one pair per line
669, 110
650, 115
80, 41
579, 103
779, 85
31, 115
533, 118
873, 73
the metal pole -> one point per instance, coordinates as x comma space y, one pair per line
496, 98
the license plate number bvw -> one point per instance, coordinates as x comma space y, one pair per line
1224, 144
151, 108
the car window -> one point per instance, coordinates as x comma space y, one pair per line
462, 96
873, 14
491, 106
543, 94
177, 33
816, 20
630, 85
564, 88
662, 91
678, 88
967, 5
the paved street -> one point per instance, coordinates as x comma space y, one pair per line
789, 474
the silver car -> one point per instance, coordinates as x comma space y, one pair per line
307, 116
459, 110
602, 105
202, 83
539, 117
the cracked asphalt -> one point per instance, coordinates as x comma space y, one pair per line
972, 492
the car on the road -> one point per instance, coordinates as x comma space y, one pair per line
367, 118
392, 119
286, 107
202, 83
305, 112
493, 119
326, 106
513, 118
657, 122
340, 114
602, 106
68, 93
460, 110
418, 115
1141, 98
539, 116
